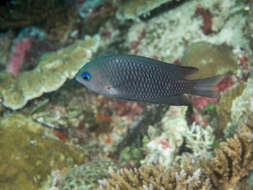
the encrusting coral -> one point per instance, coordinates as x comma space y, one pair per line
86, 175
210, 59
52, 71
29, 155
232, 162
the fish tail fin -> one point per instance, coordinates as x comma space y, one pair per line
206, 87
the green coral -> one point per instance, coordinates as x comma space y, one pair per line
131, 153
28, 156
209, 109
52, 71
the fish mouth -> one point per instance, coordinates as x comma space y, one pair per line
77, 79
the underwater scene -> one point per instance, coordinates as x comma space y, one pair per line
126, 95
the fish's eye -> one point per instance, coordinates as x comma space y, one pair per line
86, 76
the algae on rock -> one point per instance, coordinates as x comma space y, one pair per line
52, 71
28, 156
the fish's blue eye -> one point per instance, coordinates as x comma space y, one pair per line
86, 76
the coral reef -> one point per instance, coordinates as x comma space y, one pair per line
59, 140
167, 35
17, 55
163, 148
249, 30
244, 103
96, 123
232, 162
5, 45
165, 145
206, 27
95, 13
28, 155
52, 71
199, 140
224, 107
210, 59
53, 16
133, 9
86, 176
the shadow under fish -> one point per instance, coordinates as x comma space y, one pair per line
142, 79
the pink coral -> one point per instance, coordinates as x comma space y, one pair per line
200, 101
17, 56
198, 119
207, 20
226, 83
164, 143
134, 44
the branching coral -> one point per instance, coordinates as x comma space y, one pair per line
234, 159
199, 139
150, 177
232, 162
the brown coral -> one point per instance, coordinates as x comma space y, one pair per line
156, 178
231, 163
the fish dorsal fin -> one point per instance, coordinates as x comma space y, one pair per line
182, 71
178, 71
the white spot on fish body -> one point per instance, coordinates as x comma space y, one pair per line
111, 90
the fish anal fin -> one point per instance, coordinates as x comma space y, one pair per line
181, 100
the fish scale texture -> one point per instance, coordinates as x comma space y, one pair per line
141, 77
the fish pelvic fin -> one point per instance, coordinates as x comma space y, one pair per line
206, 87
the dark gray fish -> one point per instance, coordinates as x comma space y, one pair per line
137, 78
